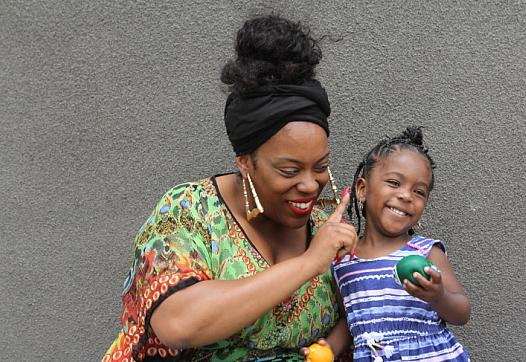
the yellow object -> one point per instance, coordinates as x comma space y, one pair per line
320, 353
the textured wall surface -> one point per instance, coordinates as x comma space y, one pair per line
104, 105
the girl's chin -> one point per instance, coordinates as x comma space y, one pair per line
394, 232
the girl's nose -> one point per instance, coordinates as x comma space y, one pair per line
405, 194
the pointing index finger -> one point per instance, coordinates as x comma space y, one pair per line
337, 215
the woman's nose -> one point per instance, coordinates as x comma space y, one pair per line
308, 184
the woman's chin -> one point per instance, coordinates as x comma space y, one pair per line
298, 221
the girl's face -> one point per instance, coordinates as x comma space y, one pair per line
289, 172
396, 192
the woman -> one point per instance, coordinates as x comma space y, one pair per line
236, 267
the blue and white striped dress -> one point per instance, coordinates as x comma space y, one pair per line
386, 322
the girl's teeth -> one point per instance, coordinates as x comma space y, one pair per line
396, 211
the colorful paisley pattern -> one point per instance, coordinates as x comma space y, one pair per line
191, 236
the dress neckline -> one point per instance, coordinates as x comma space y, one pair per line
409, 243
238, 224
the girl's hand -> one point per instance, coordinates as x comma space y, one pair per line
335, 238
429, 290
324, 355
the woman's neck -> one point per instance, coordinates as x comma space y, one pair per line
273, 240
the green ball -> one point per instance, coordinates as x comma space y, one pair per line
405, 268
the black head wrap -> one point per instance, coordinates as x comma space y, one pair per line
251, 119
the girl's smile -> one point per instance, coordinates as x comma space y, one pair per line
398, 211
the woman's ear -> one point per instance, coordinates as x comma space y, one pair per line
243, 164
361, 189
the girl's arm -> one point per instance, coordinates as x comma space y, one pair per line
340, 338
444, 292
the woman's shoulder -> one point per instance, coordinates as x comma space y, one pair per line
194, 199
201, 187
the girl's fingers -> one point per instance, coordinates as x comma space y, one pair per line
436, 277
410, 287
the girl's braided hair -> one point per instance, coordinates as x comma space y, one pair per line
410, 139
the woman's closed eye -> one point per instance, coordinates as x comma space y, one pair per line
289, 172
321, 168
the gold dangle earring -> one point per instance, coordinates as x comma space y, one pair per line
251, 214
333, 187
336, 200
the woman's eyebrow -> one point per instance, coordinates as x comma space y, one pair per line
293, 160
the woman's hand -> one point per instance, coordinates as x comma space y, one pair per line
335, 238
429, 290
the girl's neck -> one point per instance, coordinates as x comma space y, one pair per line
373, 244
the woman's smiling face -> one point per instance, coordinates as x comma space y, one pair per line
396, 192
289, 172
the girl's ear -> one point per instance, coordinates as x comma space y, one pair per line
243, 164
361, 189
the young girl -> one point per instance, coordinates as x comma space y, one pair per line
390, 322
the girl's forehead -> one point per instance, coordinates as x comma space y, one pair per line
403, 161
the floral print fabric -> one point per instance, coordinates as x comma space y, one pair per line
192, 236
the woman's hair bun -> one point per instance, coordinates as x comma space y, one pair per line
271, 50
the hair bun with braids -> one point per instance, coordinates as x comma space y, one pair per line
414, 135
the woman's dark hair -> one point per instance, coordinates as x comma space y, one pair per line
271, 50
410, 139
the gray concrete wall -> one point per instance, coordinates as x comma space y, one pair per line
104, 105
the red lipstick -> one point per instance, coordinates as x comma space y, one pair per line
298, 210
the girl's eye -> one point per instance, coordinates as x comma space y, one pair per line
393, 182
421, 193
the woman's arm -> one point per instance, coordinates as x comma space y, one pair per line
213, 310
444, 292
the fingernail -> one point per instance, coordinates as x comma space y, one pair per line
345, 191
338, 259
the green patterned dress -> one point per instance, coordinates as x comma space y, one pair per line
192, 236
